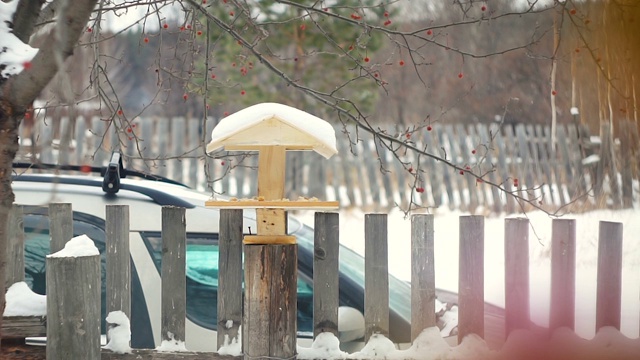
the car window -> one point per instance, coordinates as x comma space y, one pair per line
36, 248
202, 280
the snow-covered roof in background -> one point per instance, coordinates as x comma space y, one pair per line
274, 124
13, 52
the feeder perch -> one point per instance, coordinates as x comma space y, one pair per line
273, 129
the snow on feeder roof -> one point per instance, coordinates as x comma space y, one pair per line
272, 124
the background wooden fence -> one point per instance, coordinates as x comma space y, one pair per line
583, 170
471, 279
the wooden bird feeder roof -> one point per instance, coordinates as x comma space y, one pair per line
272, 124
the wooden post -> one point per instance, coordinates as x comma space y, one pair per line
423, 279
471, 283
61, 225
15, 251
563, 274
270, 308
174, 285
516, 254
229, 276
73, 307
325, 274
609, 293
376, 276
118, 259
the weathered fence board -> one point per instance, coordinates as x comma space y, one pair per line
118, 259
516, 252
173, 271
609, 290
325, 274
423, 278
61, 225
376, 276
471, 277
563, 273
15, 247
229, 276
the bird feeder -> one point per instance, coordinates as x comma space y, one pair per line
273, 129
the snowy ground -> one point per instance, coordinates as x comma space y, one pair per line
446, 263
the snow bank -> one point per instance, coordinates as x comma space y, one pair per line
21, 301
79, 246
325, 346
232, 347
119, 333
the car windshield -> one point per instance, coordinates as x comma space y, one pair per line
352, 265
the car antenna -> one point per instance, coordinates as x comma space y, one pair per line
111, 181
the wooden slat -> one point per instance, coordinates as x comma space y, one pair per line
163, 135
563, 273
450, 176
118, 259
372, 170
80, 136
376, 276
516, 253
229, 276
471, 277
609, 289
433, 170
178, 128
547, 173
73, 300
61, 225
626, 163
565, 169
15, 247
423, 280
194, 140
325, 274
173, 273
23, 326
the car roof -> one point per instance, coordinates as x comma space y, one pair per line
144, 197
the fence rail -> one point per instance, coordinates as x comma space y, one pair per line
578, 170
471, 281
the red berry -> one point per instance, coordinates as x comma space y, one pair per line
386, 14
408, 135
26, 65
166, 26
185, 96
467, 167
204, 1
388, 22
573, 11
89, 29
460, 75
189, 26
233, 64
120, 112
128, 129
242, 92
410, 169
553, 92
207, 106
366, 59
181, 28
231, 13
213, 76
473, 151
401, 62
429, 32
478, 180
483, 8
27, 115
461, 172
420, 189
146, 40
303, 27
226, 113
199, 33
222, 163
429, 128
577, 50
350, 47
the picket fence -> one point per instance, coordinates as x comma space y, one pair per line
71, 295
580, 171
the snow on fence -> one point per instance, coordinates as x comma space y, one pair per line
368, 175
69, 322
